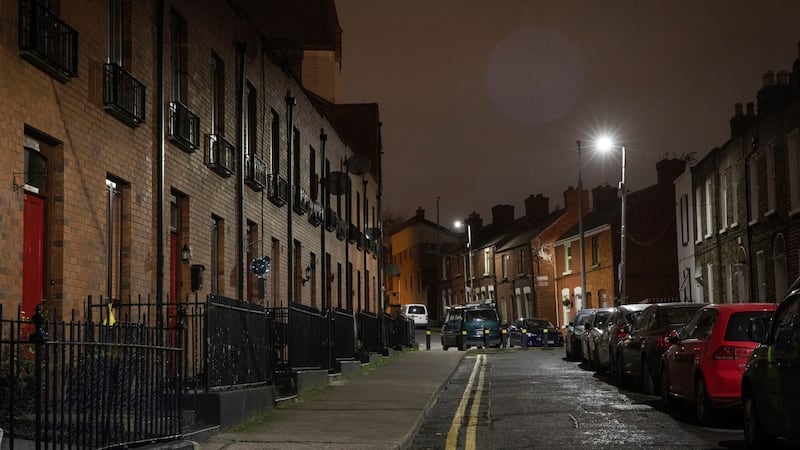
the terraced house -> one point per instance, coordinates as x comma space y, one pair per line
163, 152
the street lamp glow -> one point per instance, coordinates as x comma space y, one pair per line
604, 143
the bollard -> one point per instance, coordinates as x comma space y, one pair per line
504, 337
427, 339
524, 339
544, 337
485, 338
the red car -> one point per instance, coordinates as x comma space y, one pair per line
706, 361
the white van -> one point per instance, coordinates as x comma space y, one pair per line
417, 312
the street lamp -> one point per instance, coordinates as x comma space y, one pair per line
605, 144
579, 301
469, 252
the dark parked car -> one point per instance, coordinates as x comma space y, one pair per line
705, 363
468, 326
640, 355
534, 332
572, 341
619, 327
594, 328
770, 388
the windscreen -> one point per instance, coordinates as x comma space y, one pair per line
416, 310
488, 315
739, 323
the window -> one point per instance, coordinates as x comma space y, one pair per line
487, 261
709, 209
697, 219
567, 258
710, 282
683, 213
723, 200
595, 251
504, 266
313, 179
521, 262
179, 56
119, 30
275, 143
729, 284
250, 121
296, 157
114, 238
217, 256
254, 283
754, 204
217, 95
277, 300
734, 198
793, 144
769, 155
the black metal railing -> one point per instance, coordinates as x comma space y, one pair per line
302, 201
277, 189
220, 155
123, 95
183, 127
306, 325
316, 214
331, 219
255, 172
89, 384
370, 332
343, 334
46, 41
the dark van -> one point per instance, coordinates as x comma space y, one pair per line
468, 326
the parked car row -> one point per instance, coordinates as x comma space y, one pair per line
739, 357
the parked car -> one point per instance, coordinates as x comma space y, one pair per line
534, 332
640, 353
594, 328
418, 312
572, 340
468, 326
770, 390
619, 327
706, 361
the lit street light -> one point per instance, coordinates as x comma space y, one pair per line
605, 144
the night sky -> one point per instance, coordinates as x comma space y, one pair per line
482, 100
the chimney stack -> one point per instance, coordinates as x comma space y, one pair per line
502, 215
420, 213
669, 169
537, 207
740, 122
474, 221
603, 196
571, 201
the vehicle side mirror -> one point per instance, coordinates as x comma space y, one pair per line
673, 338
571, 324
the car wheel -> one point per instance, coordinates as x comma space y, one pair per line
619, 375
667, 400
754, 435
597, 366
702, 405
648, 386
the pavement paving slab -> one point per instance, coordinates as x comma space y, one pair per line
381, 408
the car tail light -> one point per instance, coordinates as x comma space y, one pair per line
623, 332
663, 341
731, 352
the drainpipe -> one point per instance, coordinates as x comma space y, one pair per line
323, 140
290, 103
159, 107
240, 49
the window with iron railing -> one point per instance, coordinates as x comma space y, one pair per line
220, 155
302, 200
183, 127
277, 189
316, 214
123, 95
331, 219
341, 229
255, 172
46, 41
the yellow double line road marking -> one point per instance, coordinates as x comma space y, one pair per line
479, 370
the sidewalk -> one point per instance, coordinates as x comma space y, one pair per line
379, 409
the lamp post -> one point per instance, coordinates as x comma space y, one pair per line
467, 289
579, 301
605, 144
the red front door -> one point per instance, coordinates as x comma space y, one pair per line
33, 254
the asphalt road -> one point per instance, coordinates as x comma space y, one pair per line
534, 398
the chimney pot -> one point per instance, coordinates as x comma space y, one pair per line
751, 109
783, 78
738, 109
768, 78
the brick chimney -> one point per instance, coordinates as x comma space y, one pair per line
420, 213
772, 92
537, 207
603, 196
669, 169
474, 221
741, 122
502, 215
571, 201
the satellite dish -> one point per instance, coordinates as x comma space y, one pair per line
358, 164
337, 183
373, 233
392, 270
